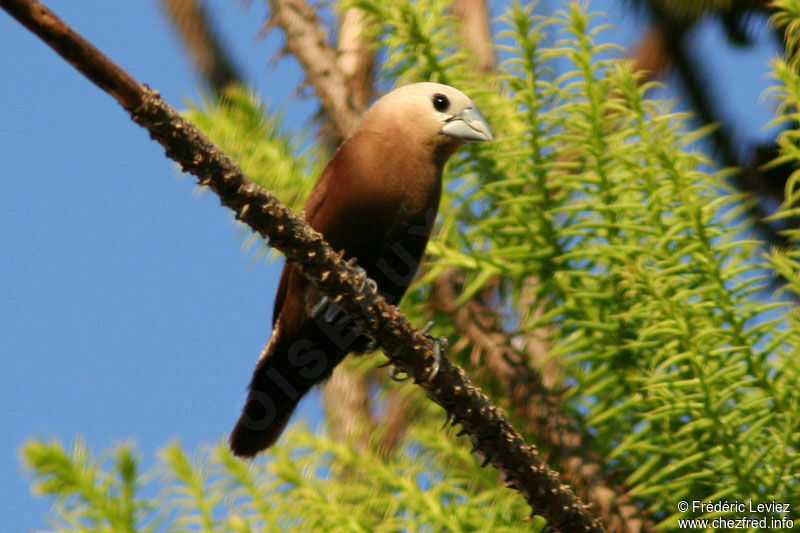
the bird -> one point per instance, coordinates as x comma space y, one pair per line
375, 202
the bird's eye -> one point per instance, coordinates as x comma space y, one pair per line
440, 102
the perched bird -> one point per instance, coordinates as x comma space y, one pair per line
376, 201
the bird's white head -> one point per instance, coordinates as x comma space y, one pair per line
433, 111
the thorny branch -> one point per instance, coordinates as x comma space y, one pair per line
345, 396
491, 433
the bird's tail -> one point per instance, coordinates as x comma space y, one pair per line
288, 368
263, 419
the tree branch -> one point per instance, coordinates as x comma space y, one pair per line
491, 433
345, 397
495, 355
673, 33
190, 20
308, 42
355, 58
474, 15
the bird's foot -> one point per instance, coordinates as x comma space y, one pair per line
361, 276
319, 306
440, 347
333, 315
397, 375
329, 310
333, 311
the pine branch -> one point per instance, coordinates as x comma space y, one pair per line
539, 405
491, 433
674, 33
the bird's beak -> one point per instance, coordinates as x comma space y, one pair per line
469, 125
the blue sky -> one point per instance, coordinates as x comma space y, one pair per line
128, 309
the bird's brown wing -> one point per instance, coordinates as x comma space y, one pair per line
302, 351
350, 217
313, 205
364, 212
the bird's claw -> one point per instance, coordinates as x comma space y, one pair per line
332, 312
447, 419
373, 286
361, 276
319, 306
369, 347
440, 347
